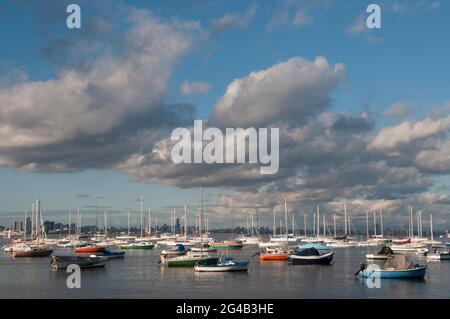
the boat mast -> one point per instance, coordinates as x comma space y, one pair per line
381, 222
334, 224
32, 220
149, 222
142, 216
251, 227
274, 227
412, 222
318, 220
25, 225
420, 219
304, 223
128, 223
185, 221
345, 218
106, 223
375, 223
38, 208
286, 219
431, 227
257, 221
314, 224
70, 221
293, 224
201, 213
324, 226
367, 225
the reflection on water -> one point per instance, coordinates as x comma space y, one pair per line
139, 275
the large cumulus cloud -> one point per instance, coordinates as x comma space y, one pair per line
109, 108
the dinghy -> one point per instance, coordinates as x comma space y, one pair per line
439, 255
311, 256
396, 266
61, 262
223, 265
275, 254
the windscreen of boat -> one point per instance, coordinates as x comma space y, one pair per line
308, 252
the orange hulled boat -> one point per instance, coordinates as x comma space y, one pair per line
274, 254
89, 249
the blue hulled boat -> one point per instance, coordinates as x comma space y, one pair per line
396, 266
418, 271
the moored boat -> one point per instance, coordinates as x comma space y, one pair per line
89, 249
223, 265
31, 251
226, 245
61, 262
204, 247
396, 266
311, 256
383, 254
275, 254
138, 245
439, 255
191, 259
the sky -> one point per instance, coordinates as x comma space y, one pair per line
364, 114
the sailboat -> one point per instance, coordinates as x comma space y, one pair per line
36, 248
190, 259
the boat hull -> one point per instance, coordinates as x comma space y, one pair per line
230, 247
143, 247
40, 253
418, 272
221, 268
89, 250
273, 257
61, 262
311, 260
192, 262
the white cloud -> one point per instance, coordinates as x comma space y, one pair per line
288, 91
408, 132
96, 102
195, 87
230, 22
399, 109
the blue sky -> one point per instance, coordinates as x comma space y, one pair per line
406, 61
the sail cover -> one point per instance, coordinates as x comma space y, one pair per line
398, 262
386, 251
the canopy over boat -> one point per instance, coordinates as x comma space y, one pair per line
319, 247
398, 262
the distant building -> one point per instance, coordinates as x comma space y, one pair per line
177, 226
18, 225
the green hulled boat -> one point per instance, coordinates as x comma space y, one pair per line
191, 259
226, 245
142, 245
